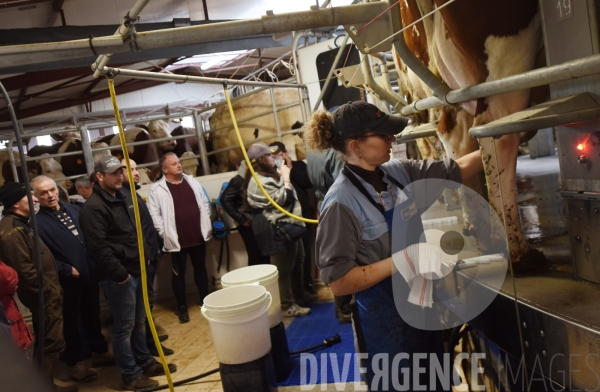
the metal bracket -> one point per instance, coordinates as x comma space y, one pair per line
573, 108
375, 32
350, 76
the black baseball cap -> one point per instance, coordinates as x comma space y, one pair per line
354, 119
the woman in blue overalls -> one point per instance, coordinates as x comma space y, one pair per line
353, 245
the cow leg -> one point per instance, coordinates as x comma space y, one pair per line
500, 166
452, 131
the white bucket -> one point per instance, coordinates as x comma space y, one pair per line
238, 322
265, 275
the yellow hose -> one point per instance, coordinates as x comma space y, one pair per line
138, 226
249, 164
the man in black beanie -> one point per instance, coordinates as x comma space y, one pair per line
16, 250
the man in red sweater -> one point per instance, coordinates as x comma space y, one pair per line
181, 214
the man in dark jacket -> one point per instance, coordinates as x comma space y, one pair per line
232, 200
108, 225
58, 225
16, 250
152, 240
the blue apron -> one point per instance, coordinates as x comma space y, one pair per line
378, 326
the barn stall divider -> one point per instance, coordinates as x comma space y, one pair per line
84, 122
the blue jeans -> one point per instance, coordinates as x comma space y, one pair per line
129, 334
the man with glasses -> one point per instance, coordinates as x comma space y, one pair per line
108, 225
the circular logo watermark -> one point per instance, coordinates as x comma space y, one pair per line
450, 249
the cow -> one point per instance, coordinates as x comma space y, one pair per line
72, 165
257, 127
47, 166
159, 129
466, 43
145, 153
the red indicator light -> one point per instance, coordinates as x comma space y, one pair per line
581, 146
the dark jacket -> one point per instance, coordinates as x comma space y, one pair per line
16, 250
232, 199
150, 234
109, 232
301, 183
68, 251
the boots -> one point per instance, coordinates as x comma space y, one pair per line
48, 370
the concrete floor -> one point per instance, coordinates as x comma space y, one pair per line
194, 352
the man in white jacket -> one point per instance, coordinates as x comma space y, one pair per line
181, 215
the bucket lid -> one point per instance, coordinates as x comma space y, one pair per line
232, 299
260, 274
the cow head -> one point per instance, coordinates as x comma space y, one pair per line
69, 132
49, 167
158, 130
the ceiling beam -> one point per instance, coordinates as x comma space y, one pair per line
20, 99
20, 3
57, 5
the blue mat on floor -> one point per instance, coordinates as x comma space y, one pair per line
310, 330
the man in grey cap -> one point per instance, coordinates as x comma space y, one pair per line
109, 232
16, 250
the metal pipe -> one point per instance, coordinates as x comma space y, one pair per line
185, 78
11, 157
122, 31
538, 77
331, 74
116, 147
37, 258
289, 105
393, 99
425, 130
387, 83
297, 36
437, 85
137, 120
278, 59
530, 124
268, 24
48, 156
275, 115
86, 146
201, 143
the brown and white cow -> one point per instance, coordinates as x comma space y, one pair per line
470, 42
258, 127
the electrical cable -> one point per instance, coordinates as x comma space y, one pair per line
325, 343
249, 164
39, 338
138, 227
181, 382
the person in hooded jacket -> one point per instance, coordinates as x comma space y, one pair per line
232, 200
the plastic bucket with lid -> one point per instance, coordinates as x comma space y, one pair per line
265, 275
238, 322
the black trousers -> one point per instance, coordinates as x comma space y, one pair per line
254, 256
307, 278
198, 259
150, 274
82, 327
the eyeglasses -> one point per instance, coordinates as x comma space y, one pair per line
385, 138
